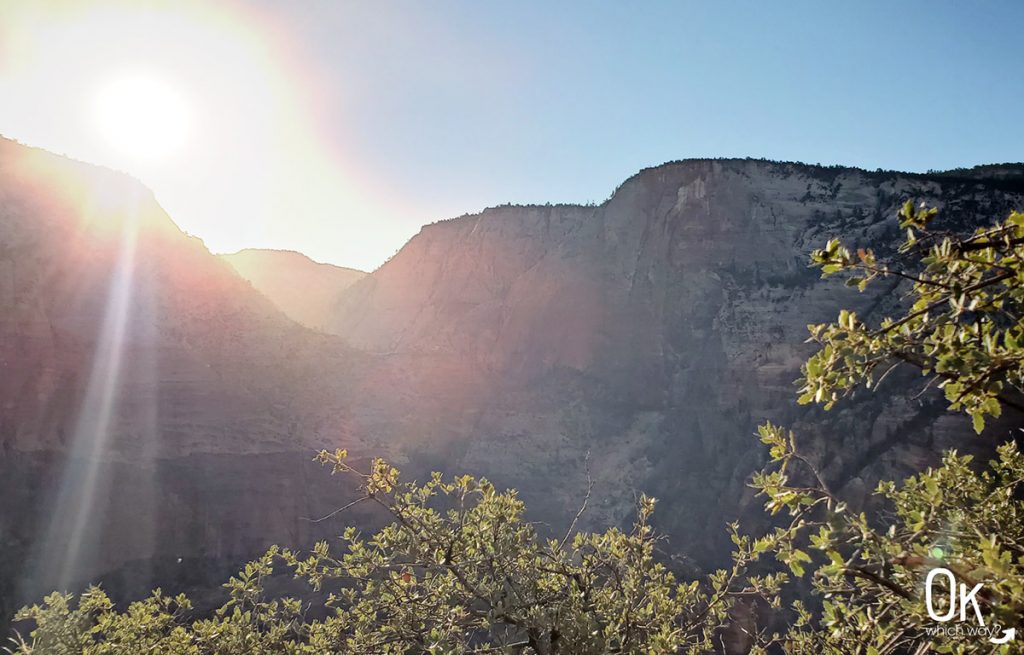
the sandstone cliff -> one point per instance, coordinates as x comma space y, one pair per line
656, 330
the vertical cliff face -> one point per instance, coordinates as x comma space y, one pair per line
300, 287
656, 330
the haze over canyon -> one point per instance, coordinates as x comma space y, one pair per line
160, 405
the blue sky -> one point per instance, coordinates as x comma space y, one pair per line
472, 104
532, 101
441, 108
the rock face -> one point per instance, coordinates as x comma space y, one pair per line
655, 331
158, 414
300, 287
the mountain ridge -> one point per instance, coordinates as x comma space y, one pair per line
287, 252
653, 331
657, 329
302, 288
970, 173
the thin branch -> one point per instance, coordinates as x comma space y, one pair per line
337, 511
861, 572
983, 245
926, 387
877, 384
1002, 397
492, 649
939, 303
907, 276
583, 507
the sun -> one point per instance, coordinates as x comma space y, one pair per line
142, 116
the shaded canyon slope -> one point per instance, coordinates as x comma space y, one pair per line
158, 416
655, 331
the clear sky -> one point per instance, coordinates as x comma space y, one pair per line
338, 128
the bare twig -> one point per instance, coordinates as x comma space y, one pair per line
861, 572
583, 507
337, 511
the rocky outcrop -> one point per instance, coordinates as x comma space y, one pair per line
303, 289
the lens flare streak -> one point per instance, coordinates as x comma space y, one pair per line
67, 545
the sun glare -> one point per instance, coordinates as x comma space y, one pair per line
142, 116
215, 106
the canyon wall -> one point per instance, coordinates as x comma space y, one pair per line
656, 330
158, 413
